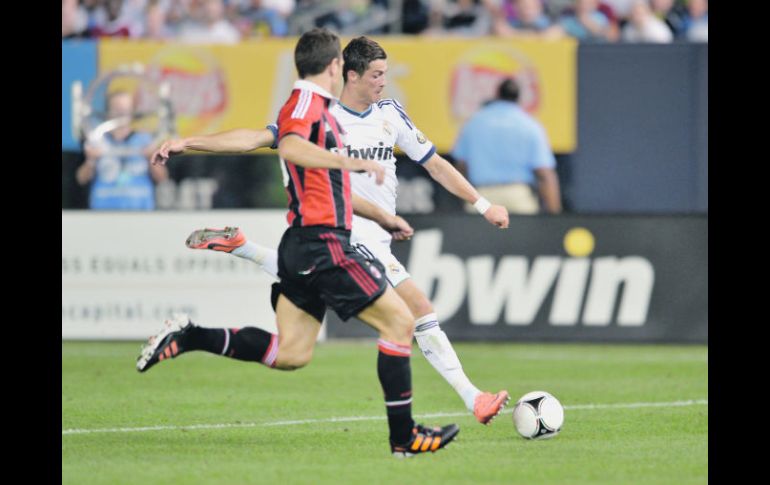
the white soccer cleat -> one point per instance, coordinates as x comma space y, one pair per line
164, 345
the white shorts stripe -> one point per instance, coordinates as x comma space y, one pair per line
227, 340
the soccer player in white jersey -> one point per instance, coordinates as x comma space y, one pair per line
373, 127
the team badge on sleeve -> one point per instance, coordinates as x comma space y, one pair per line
420, 137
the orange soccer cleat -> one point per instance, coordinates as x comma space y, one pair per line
488, 405
225, 239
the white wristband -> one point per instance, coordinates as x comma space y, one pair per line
482, 205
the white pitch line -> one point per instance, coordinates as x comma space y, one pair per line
349, 419
639, 405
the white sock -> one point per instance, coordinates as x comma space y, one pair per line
438, 350
266, 258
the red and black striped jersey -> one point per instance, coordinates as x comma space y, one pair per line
317, 196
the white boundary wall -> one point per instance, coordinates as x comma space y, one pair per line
124, 273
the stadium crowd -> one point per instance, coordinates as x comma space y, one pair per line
231, 21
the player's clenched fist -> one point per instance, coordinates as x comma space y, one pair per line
497, 215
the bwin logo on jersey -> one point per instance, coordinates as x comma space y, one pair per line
380, 152
517, 289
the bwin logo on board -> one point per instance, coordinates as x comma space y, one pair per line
518, 287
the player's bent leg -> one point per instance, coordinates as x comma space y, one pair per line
438, 350
391, 317
180, 335
297, 335
366, 293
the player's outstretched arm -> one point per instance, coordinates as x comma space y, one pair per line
239, 140
451, 179
396, 225
304, 153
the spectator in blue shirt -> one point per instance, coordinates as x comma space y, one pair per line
696, 22
530, 21
588, 23
505, 153
118, 166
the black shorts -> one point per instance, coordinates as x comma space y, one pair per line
318, 268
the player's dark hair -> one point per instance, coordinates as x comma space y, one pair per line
508, 90
315, 50
358, 54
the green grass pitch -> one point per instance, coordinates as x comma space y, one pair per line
213, 420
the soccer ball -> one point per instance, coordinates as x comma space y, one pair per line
538, 415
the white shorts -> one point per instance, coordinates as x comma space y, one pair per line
395, 272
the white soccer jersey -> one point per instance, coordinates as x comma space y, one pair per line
373, 135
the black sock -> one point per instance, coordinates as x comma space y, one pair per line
248, 343
396, 378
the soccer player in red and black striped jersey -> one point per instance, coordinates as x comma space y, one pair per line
373, 127
316, 264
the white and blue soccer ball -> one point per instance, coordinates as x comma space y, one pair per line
538, 415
